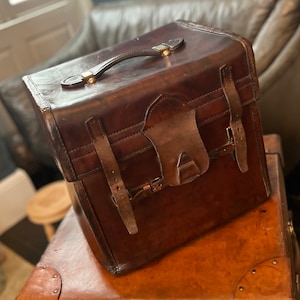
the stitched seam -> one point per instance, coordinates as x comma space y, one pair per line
82, 156
83, 174
65, 151
142, 150
124, 129
225, 112
126, 138
207, 103
197, 108
136, 152
80, 148
140, 123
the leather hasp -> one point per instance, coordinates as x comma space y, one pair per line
171, 127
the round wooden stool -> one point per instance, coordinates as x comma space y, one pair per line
49, 205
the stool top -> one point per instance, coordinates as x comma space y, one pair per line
49, 204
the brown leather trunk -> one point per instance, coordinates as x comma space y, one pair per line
252, 257
159, 144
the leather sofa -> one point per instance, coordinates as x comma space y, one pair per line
271, 25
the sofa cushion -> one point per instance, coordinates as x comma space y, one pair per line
7, 165
124, 20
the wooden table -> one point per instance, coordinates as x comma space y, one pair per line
250, 257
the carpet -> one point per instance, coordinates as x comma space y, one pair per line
26, 239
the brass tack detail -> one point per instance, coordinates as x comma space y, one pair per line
241, 288
55, 291
274, 262
166, 52
91, 80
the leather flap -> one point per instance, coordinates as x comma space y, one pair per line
171, 127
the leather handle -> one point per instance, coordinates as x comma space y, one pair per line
91, 76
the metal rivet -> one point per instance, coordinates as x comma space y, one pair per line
166, 52
253, 271
91, 80
55, 291
241, 288
274, 262
55, 276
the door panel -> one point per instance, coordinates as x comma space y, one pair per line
36, 35
7, 63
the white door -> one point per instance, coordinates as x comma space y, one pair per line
31, 31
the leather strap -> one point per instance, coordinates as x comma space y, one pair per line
236, 131
113, 175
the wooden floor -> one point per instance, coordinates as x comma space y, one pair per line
16, 271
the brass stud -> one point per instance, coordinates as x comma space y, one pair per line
274, 262
253, 271
55, 291
241, 288
166, 52
91, 80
